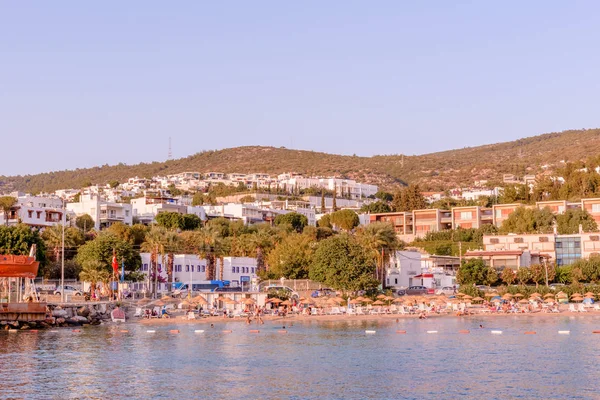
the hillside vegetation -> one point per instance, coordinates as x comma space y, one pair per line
435, 171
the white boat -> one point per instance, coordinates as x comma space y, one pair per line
117, 315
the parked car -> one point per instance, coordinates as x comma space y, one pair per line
412, 290
554, 286
447, 290
69, 290
484, 288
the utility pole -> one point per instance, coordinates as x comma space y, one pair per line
460, 253
546, 269
155, 272
62, 261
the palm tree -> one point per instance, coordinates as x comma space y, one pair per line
173, 245
53, 238
6, 205
380, 239
94, 271
259, 244
155, 243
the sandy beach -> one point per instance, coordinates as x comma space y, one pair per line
181, 319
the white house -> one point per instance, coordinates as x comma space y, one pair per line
103, 213
145, 209
36, 211
413, 268
189, 267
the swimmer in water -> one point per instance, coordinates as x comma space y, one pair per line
480, 326
212, 325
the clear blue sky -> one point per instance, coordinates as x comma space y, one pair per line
84, 83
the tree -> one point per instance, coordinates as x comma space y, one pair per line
523, 275
18, 240
342, 263
529, 220
169, 220
53, 238
93, 271
323, 207
6, 204
325, 221
472, 272
295, 220
408, 199
113, 184
384, 196
376, 207
334, 207
198, 199
491, 276
155, 243
344, 219
508, 276
189, 222
379, 238
568, 222
101, 249
292, 257
537, 273
85, 222
247, 199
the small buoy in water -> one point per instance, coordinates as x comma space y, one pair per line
432, 331
496, 332
370, 332
400, 331
464, 331
151, 331
124, 331
282, 331
33, 330
227, 331
564, 332
254, 331
76, 330
174, 331
595, 331
199, 331
530, 333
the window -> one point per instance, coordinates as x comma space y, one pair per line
498, 213
187, 268
204, 268
38, 214
192, 268
543, 239
518, 240
30, 214
596, 208
466, 215
127, 213
395, 281
252, 269
145, 267
594, 238
494, 241
233, 270
568, 250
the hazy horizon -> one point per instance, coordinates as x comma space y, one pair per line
88, 84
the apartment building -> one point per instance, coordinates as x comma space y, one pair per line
35, 211
104, 213
189, 267
560, 249
500, 259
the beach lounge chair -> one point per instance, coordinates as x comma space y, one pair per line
572, 307
581, 308
360, 311
402, 310
191, 315
596, 307
139, 312
351, 311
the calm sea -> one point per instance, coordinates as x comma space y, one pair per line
314, 360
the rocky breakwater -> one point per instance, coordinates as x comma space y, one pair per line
66, 316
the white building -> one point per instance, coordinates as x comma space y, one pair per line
248, 213
189, 267
36, 211
145, 209
413, 268
103, 213
346, 186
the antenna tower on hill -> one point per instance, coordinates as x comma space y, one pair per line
170, 155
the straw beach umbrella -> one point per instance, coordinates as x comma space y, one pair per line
378, 303
519, 295
199, 300
477, 299
491, 294
381, 296
535, 294
144, 301
548, 295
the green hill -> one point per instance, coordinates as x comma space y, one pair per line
435, 171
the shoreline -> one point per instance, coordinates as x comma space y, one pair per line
178, 319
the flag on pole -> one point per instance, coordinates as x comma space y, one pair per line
115, 263
123, 271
